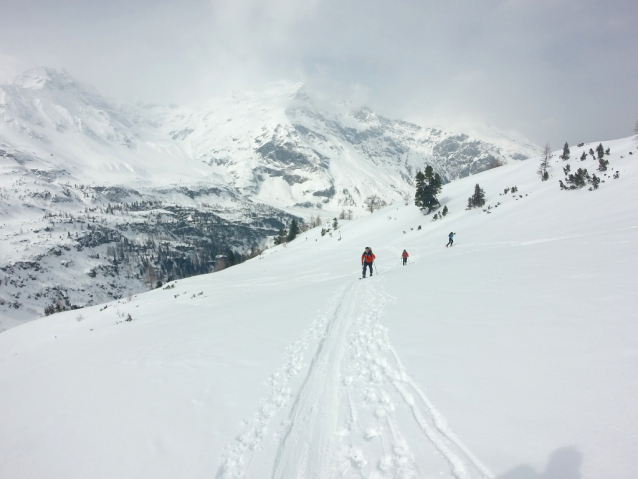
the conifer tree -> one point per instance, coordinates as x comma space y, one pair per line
294, 230
583, 157
477, 200
420, 187
428, 186
566, 152
595, 182
445, 211
600, 151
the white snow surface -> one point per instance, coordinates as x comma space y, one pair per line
511, 355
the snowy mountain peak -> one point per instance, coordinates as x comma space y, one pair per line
40, 78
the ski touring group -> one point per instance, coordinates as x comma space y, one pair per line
368, 257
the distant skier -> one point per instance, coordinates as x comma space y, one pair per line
405, 257
366, 260
451, 242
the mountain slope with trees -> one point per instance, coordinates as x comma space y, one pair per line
100, 199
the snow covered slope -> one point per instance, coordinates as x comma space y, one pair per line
81, 175
512, 355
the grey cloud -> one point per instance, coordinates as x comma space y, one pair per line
552, 69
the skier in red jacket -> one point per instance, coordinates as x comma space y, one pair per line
405, 257
366, 260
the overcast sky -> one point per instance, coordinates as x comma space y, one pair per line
553, 70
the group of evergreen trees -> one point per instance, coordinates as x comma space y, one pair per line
286, 235
599, 155
440, 214
580, 178
428, 187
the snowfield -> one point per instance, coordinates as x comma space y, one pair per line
512, 355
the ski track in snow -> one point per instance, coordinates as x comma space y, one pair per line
352, 411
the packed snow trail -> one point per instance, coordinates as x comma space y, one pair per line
353, 409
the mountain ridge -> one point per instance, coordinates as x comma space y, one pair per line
98, 196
